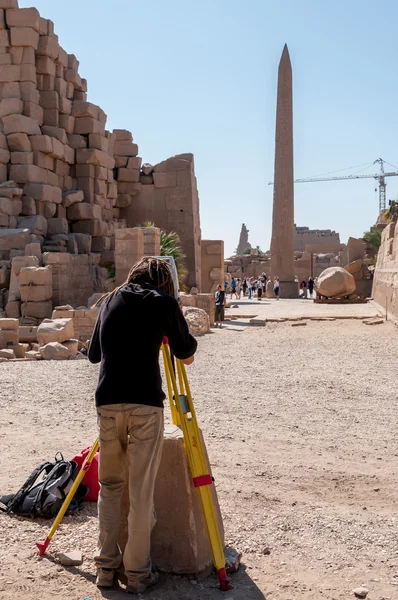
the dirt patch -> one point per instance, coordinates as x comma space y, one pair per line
301, 431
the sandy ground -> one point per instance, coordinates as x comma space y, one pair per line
301, 430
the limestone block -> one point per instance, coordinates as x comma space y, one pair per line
48, 46
9, 73
28, 74
121, 161
19, 142
56, 226
48, 209
58, 150
34, 111
55, 330
100, 244
4, 156
28, 92
37, 310
42, 160
165, 179
28, 56
24, 36
20, 124
10, 106
126, 187
7, 353
28, 174
46, 66
69, 155
63, 58
13, 238
51, 117
8, 3
49, 99
180, 162
56, 132
335, 281
94, 228
87, 125
99, 172
10, 90
9, 323
83, 241
86, 170
124, 148
67, 122
13, 309
38, 276
198, 320
35, 224
54, 351
84, 210
72, 197
131, 175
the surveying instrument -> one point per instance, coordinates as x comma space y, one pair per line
183, 416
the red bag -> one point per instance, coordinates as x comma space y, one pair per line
91, 477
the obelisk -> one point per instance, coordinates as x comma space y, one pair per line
282, 243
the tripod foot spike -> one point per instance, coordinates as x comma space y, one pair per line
43, 546
223, 579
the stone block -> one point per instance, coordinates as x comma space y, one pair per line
34, 111
21, 158
94, 228
37, 310
87, 125
28, 174
28, 56
45, 66
54, 351
51, 117
27, 334
130, 175
4, 156
7, 353
126, 187
42, 143
165, 179
43, 160
93, 156
83, 242
121, 161
39, 191
8, 4
180, 162
36, 293
101, 244
95, 140
48, 46
78, 142
13, 309
5, 206
83, 210
123, 135
9, 73
35, 224
72, 197
57, 133
13, 238
10, 106
24, 36
67, 122
8, 337
34, 249
9, 323
29, 92
85, 109
10, 90
4, 39
56, 226
49, 99
55, 330
23, 17
28, 74
16, 207
45, 82
124, 148
20, 124
65, 107
19, 142
123, 200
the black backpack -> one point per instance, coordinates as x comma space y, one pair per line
44, 491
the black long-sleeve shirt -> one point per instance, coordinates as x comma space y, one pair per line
127, 339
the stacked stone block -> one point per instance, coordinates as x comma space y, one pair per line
129, 248
84, 319
36, 294
128, 166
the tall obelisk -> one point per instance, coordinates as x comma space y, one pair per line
282, 243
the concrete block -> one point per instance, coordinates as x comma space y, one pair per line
20, 124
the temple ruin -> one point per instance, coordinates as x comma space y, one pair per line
68, 185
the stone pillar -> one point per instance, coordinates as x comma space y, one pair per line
282, 243
151, 241
129, 249
212, 265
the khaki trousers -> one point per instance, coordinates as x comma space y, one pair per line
131, 437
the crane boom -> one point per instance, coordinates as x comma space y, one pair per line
379, 176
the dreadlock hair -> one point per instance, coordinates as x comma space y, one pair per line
148, 270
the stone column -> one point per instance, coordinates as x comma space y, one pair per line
282, 243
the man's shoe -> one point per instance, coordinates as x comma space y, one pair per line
105, 578
139, 588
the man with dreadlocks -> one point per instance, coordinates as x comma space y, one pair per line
127, 338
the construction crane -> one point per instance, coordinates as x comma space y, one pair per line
379, 176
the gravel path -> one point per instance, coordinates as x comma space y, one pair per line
301, 430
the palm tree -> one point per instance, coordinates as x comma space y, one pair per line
373, 238
170, 245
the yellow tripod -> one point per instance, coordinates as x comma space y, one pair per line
183, 415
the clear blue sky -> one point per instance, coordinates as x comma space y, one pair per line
200, 76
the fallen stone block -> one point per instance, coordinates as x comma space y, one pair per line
72, 346
57, 330
54, 351
70, 559
7, 353
34, 355
20, 350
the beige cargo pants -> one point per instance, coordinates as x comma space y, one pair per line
131, 437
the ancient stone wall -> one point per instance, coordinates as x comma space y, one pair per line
385, 281
321, 240
168, 197
212, 264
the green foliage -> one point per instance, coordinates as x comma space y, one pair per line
247, 251
373, 238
